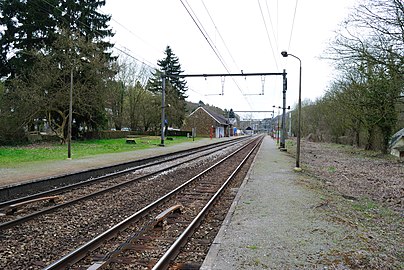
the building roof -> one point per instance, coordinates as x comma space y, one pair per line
396, 137
217, 117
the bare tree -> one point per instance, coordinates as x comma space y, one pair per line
369, 53
122, 97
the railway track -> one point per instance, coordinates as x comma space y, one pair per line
67, 228
17, 211
22, 192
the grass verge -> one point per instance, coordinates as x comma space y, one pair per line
18, 156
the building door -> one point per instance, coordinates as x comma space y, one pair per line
219, 132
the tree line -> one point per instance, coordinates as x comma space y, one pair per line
49, 47
364, 105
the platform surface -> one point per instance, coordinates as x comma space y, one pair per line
275, 221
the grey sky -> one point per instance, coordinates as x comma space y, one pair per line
147, 27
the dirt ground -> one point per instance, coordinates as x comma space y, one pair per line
364, 191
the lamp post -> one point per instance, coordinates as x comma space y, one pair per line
286, 54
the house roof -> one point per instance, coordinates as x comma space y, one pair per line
396, 137
217, 117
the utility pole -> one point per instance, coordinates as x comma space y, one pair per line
163, 94
69, 126
283, 135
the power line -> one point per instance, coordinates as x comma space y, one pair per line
95, 30
204, 35
150, 65
211, 46
272, 26
293, 23
217, 30
132, 33
269, 39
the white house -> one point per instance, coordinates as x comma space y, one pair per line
397, 144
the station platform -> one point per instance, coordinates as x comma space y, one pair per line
274, 221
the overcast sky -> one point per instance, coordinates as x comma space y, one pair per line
239, 35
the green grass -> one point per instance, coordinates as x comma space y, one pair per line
17, 156
364, 205
332, 169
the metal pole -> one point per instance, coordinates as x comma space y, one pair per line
228, 124
277, 137
283, 135
286, 54
299, 118
290, 123
163, 93
69, 126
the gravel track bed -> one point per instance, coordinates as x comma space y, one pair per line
77, 192
37, 243
154, 243
197, 247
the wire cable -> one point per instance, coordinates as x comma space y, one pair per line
220, 35
272, 27
212, 47
132, 33
95, 30
293, 23
269, 39
205, 36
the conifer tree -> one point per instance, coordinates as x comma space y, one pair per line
35, 25
170, 65
175, 87
70, 36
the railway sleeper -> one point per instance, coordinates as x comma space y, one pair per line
158, 222
159, 219
13, 208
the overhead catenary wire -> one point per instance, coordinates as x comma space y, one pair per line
293, 23
220, 35
144, 62
272, 26
212, 47
134, 34
267, 32
204, 33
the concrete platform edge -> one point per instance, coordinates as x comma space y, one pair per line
214, 248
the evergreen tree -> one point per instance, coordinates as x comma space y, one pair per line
175, 87
35, 24
69, 35
170, 65
231, 114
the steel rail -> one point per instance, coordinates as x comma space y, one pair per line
51, 209
84, 175
173, 251
55, 191
81, 252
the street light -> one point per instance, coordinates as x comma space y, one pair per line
286, 54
